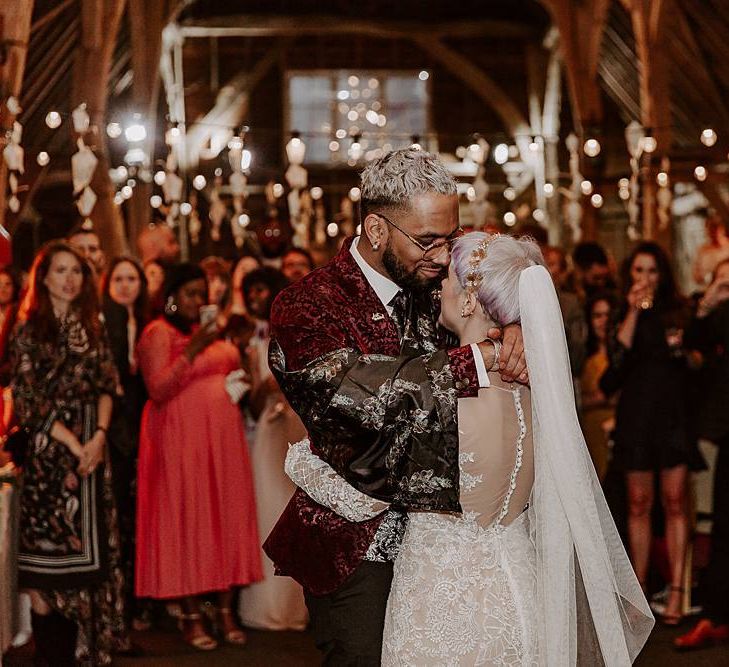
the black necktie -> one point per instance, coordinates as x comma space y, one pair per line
400, 304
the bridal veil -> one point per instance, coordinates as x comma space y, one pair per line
592, 609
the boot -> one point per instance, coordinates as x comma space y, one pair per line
42, 638
65, 637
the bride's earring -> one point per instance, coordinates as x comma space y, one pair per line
170, 305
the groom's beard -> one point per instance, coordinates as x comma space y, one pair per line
409, 280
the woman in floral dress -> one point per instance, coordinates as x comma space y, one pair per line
63, 381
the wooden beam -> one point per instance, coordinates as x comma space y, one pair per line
300, 26
51, 15
15, 21
231, 105
581, 27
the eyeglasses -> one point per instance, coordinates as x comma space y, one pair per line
429, 251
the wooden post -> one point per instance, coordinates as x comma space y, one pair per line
100, 20
15, 21
649, 20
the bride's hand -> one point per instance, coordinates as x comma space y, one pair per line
512, 362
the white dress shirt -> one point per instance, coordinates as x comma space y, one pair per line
386, 289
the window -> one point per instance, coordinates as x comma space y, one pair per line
346, 118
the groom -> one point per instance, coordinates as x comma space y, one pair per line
356, 350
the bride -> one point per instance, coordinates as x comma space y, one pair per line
533, 571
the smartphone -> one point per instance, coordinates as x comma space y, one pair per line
208, 314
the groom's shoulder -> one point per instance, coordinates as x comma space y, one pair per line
316, 291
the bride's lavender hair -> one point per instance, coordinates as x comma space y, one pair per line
505, 258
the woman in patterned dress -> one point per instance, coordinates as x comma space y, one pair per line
63, 381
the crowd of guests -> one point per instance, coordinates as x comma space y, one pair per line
651, 371
151, 437
154, 433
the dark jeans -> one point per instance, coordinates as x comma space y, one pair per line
717, 578
347, 624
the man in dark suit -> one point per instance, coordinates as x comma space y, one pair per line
357, 352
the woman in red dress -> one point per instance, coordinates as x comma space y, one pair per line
196, 515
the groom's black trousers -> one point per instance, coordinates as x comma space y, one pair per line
347, 624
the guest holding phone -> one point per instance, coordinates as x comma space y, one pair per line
196, 515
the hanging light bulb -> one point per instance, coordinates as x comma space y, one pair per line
708, 137
244, 220
295, 149
548, 189
172, 136
538, 215
596, 200
624, 183
160, 177
136, 132
471, 193
586, 187
199, 182
509, 219
155, 201
43, 158
424, 75
332, 229
114, 130
186, 208
501, 154
246, 157
662, 179
700, 173
53, 119
592, 148
316, 193
127, 191
649, 144
510, 194
278, 190
355, 194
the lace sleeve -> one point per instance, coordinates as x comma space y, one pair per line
319, 481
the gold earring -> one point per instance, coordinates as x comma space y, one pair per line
463, 312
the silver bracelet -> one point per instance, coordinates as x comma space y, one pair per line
497, 353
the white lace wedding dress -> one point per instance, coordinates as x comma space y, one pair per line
463, 591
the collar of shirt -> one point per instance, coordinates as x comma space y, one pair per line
385, 288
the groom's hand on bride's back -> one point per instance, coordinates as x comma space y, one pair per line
511, 361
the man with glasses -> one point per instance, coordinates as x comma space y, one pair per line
358, 354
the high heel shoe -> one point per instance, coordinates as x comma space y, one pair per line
672, 620
703, 634
203, 642
235, 636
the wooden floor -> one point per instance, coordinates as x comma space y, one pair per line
289, 649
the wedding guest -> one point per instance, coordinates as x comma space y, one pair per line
259, 289
154, 272
296, 263
573, 313
125, 309
709, 334
9, 294
63, 383
218, 278
276, 603
158, 242
711, 253
196, 516
652, 434
592, 268
84, 238
243, 267
598, 412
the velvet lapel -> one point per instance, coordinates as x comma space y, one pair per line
375, 330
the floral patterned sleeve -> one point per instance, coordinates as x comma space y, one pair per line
33, 407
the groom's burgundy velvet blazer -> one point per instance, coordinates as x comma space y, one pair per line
379, 404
